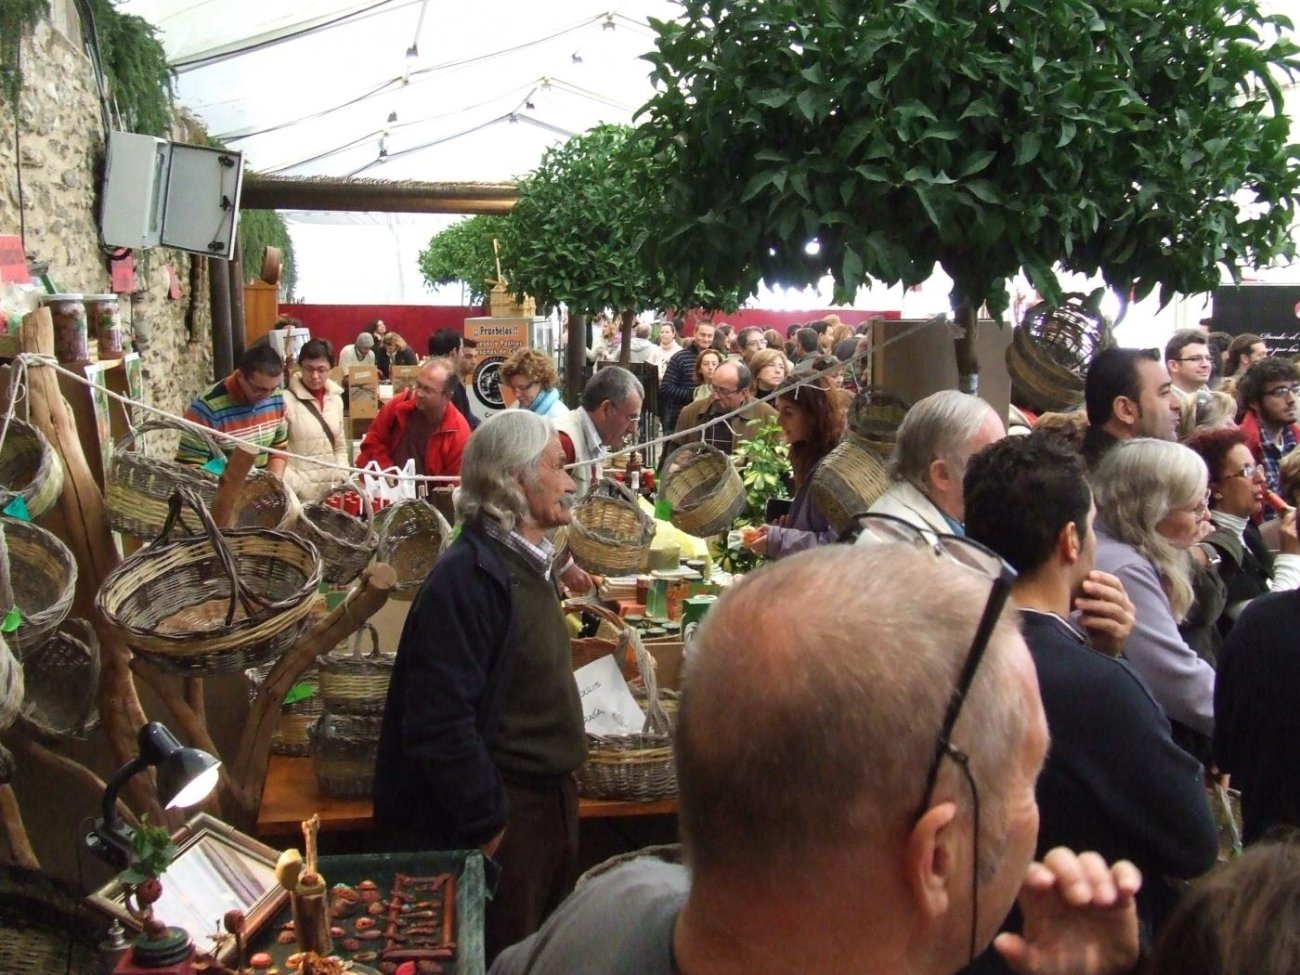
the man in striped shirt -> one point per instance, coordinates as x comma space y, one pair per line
247, 404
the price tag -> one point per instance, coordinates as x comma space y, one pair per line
13, 619
17, 508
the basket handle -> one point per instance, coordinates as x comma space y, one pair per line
697, 448
149, 426
367, 509
6, 587
374, 642
656, 719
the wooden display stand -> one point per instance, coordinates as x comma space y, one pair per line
924, 360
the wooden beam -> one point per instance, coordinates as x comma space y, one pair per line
375, 196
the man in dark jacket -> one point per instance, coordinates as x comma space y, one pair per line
447, 343
677, 387
483, 727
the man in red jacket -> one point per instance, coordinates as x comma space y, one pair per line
420, 423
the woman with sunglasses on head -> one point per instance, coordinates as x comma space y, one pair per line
813, 424
531, 376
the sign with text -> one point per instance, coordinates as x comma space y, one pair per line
608, 707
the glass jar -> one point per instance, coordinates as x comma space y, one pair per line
104, 321
71, 344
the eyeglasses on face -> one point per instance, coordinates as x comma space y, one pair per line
718, 391
1196, 358
1248, 472
1283, 391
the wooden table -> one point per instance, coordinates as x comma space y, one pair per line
291, 795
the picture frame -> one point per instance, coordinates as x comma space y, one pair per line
217, 868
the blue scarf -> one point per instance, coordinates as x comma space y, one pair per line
544, 401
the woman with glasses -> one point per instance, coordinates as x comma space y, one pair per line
705, 364
313, 411
1152, 509
1235, 547
531, 376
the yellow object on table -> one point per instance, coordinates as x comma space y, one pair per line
667, 535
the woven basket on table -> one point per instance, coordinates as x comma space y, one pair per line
346, 543
291, 733
610, 534
633, 767
343, 752
62, 679
848, 481
29, 468
875, 416
38, 577
213, 603
1050, 351
11, 687
412, 534
704, 489
353, 683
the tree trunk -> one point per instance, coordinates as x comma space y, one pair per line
968, 366
224, 353
575, 359
625, 353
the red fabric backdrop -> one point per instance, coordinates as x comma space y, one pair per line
340, 324
762, 318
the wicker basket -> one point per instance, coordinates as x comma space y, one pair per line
356, 684
589, 649
343, 752
412, 534
215, 603
848, 481
63, 684
636, 767
291, 733
704, 489
138, 488
29, 468
265, 501
37, 576
1050, 351
875, 416
346, 543
610, 534
11, 686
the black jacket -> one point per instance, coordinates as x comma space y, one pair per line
677, 387
436, 786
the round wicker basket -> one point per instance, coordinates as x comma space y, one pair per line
291, 734
610, 534
875, 417
344, 748
214, 603
38, 577
412, 534
346, 543
29, 469
1050, 351
12, 689
704, 489
848, 481
138, 488
62, 679
353, 683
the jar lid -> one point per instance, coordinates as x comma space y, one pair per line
655, 631
51, 299
100, 298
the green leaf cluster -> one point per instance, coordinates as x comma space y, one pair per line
136, 72
259, 229
17, 18
152, 852
1118, 138
463, 254
764, 464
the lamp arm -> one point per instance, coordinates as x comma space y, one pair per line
115, 785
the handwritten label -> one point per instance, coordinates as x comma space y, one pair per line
608, 707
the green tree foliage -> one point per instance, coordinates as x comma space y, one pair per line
17, 18
257, 230
764, 464
463, 254
578, 233
136, 72
1118, 138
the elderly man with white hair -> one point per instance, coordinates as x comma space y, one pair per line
936, 439
483, 727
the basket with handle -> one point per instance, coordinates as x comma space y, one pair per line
38, 578
346, 543
12, 688
62, 677
213, 603
354, 683
588, 649
291, 733
848, 480
874, 418
29, 468
1050, 351
610, 534
412, 534
138, 488
704, 489
634, 767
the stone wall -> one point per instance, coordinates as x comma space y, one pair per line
62, 139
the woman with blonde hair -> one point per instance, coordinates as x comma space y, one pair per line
1152, 510
769, 368
531, 376
1207, 409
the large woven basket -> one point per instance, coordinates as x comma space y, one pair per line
12, 689
633, 767
355, 683
412, 534
875, 417
62, 679
29, 468
38, 577
704, 489
343, 752
291, 733
848, 481
1049, 353
610, 534
215, 603
346, 543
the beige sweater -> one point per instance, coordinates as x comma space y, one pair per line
307, 437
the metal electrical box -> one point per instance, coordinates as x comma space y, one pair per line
171, 194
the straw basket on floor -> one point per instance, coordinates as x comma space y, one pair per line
848, 481
346, 543
704, 488
38, 577
214, 603
29, 469
633, 767
610, 534
354, 683
1050, 351
412, 534
291, 734
875, 416
344, 748
62, 677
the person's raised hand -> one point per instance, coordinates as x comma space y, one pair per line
1080, 917
577, 580
755, 539
1105, 612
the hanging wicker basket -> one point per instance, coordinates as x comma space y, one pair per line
1049, 353
875, 416
610, 534
38, 577
632, 767
412, 535
704, 489
29, 469
63, 684
12, 689
346, 543
291, 733
353, 683
214, 603
848, 481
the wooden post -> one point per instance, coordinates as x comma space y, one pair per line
235, 271
224, 353
11, 819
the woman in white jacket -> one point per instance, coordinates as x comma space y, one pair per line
313, 406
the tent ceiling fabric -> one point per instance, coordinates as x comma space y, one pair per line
308, 89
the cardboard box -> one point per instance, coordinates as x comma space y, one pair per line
363, 392
404, 377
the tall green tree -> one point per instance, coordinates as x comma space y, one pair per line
1140, 139
463, 254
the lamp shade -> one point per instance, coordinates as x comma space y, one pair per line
186, 777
